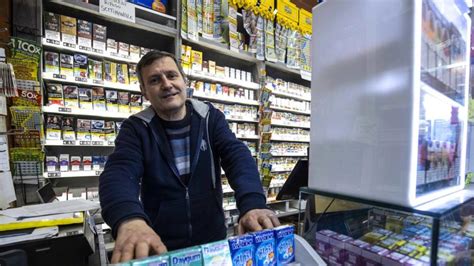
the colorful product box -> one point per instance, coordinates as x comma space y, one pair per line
95, 69
124, 102
80, 66
75, 163
51, 62
122, 73
135, 102
354, 251
394, 259
55, 94
71, 96
68, 30
87, 163
373, 254
196, 60
97, 130
98, 98
110, 71
216, 253
111, 100
66, 65
186, 257
68, 128
338, 244
64, 162
264, 243
52, 163
53, 127
83, 130
242, 250
109, 131
285, 244
132, 74
84, 34
51, 27
134, 51
160, 260
112, 46
124, 49
85, 98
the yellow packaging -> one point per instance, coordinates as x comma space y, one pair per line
212, 67
122, 74
196, 60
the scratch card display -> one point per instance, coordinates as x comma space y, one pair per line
98, 98
85, 98
51, 27
68, 30
68, 128
67, 64
84, 34
97, 130
53, 127
83, 129
55, 94
111, 99
135, 102
99, 37
51, 62
71, 96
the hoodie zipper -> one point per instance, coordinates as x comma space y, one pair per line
188, 209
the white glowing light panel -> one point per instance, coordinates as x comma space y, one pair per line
389, 98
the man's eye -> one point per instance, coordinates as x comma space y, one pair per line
172, 76
154, 80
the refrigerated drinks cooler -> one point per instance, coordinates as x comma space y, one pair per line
389, 87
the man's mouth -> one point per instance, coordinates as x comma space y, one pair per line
170, 95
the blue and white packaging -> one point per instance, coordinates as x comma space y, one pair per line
186, 257
160, 260
264, 243
216, 254
285, 244
242, 250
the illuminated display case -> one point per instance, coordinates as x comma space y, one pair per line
390, 86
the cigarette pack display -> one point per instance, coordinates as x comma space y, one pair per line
132, 74
185, 57
97, 130
68, 128
95, 69
212, 67
123, 48
99, 37
109, 131
96, 162
71, 94
52, 163
53, 127
80, 66
85, 98
75, 163
54, 92
196, 60
110, 71
122, 73
84, 34
112, 46
66, 64
135, 102
111, 99
51, 62
134, 51
220, 71
83, 129
68, 30
87, 163
144, 51
64, 162
51, 27
124, 101
205, 66
98, 98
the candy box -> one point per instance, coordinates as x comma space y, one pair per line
264, 243
285, 244
242, 250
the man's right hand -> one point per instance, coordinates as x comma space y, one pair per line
135, 239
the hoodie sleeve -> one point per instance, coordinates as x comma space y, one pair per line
239, 165
119, 183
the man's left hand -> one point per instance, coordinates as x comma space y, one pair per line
256, 220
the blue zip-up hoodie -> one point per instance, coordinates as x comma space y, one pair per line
140, 178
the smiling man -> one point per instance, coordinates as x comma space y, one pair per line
161, 188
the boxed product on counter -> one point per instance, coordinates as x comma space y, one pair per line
285, 244
216, 253
242, 250
186, 257
339, 252
354, 251
264, 242
373, 254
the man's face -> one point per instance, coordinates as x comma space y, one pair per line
164, 86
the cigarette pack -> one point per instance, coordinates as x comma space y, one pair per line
98, 98
111, 99
54, 92
52, 27
68, 30
99, 38
84, 34
51, 62
53, 127
85, 98
71, 94
124, 102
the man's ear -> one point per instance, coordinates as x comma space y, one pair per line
142, 90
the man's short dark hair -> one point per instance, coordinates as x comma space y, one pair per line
151, 57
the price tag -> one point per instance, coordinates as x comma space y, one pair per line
59, 76
110, 143
69, 142
97, 51
97, 143
81, 79
64, 109
88, 49
53, 41
70, 45
98, 173
54, 174
98, 81
84, 142
114, 54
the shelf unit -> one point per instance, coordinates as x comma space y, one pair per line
78, 143
224, 99
227, 81
291, 110
287, 139
290, 124
90, 82
83, 112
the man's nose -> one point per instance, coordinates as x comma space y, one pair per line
166, 82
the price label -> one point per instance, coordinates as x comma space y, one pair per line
114, 54
98, 143
98, 81
53, 41
98, 173
64, 109
97, 51
110, 143
59, 76
84, 142
69, 142
54, 174
70, 45
81, 79
84, 48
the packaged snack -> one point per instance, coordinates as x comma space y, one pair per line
285, 244
186, 257
216, 254
242, 250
